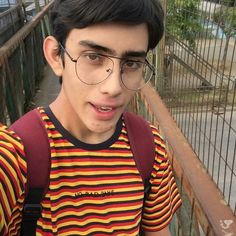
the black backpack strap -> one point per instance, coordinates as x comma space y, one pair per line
142, 144
31, 130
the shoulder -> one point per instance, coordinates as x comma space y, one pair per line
158, 137
12, 156
138, 126
159, 142
8, 138
12, 179
11, 151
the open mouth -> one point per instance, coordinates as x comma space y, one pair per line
104, 109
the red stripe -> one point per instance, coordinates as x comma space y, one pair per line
84, 179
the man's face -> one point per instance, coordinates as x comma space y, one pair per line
95, 109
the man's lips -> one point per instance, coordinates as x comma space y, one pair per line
104, 108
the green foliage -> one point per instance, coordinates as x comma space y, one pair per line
226, 18
183, 19
229, 3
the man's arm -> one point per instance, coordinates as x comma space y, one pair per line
163, 232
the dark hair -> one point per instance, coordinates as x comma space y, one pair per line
69, 14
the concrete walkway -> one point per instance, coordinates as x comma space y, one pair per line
48, 89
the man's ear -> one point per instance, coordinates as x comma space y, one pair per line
51, 49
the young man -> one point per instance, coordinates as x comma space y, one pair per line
98, 50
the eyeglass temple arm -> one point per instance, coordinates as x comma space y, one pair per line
65, 51
151, 66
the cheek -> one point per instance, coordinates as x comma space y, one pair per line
129, 95
69, 71
74, 89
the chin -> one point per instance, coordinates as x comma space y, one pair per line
102, 127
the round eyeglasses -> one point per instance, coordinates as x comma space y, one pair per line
93, 68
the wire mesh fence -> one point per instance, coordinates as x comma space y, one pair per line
198, 83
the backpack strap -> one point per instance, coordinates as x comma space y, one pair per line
31, 130
143, 147
142, 144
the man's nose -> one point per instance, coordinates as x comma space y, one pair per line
113, 85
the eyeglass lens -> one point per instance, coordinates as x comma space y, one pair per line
94, 68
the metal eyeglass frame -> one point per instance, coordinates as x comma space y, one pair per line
151, 67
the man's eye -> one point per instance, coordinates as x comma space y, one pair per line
132, 64
93, 57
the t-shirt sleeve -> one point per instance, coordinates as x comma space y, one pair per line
12, 181
163, 198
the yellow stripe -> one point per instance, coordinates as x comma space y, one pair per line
93, 183
158, 150
5, 199
56, 135
9, 185
23, 163
96, 220
12, 140
159, 224
12, 171
123, 138
98, 211
121, 146
6, 143
51, 126
16, 161
100, 201
90, 231
15, 223
88, 163
11, 157
119, 190
112, 173
65, 145
2, 220
155, 205
97, 154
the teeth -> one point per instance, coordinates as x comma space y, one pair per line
104, 109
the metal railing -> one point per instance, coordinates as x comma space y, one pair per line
204, 211
11, 20
198, 84
21, 67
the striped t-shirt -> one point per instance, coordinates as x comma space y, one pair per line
97, 189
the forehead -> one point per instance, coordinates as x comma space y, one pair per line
117, 37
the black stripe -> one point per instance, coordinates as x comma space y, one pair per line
85, 205
78, 143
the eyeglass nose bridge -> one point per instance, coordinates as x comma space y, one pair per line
111, 66
109, 70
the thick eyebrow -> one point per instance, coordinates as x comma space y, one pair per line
110, 51
141, 54
98, 47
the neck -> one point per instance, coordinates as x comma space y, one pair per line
72, 123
